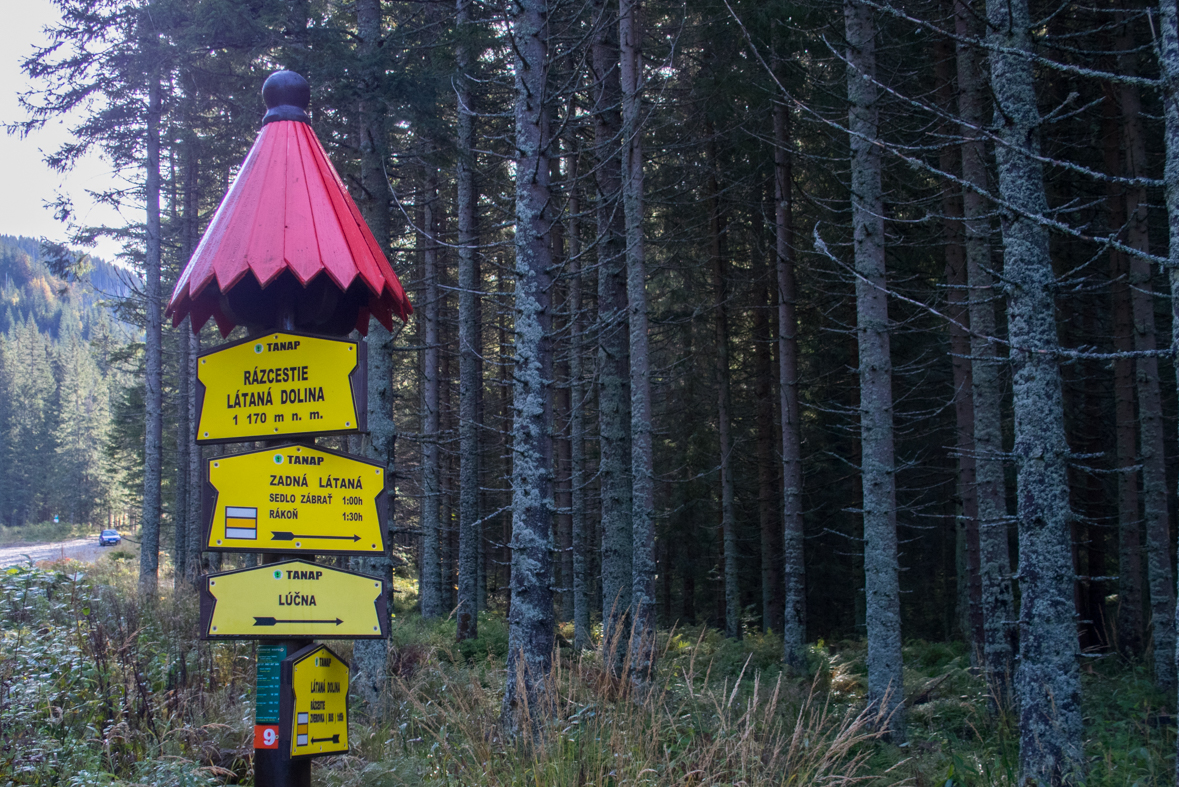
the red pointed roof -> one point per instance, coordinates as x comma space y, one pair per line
287, 211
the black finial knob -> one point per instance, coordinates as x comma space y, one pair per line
287, 96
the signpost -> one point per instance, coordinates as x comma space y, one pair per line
287, 252
280, 384
314, 703
293, 598
294, 498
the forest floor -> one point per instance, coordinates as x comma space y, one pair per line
97, 689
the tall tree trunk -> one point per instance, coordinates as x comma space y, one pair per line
470, 530
1129, 612
530, 622
1048, 685
614, 417
582, 581
1150, 410
184, 440
994, 559
431, 570
793, 565
195, 531
767, 472
882, 588
957, 310
642, 646
149, 547
1168, 52
724, 406
370, 655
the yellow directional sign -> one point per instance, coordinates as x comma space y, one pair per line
280, 384
295, 498
315, 702
293, 599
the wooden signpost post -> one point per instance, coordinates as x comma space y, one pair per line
288, 256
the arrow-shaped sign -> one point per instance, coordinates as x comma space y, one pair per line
335, 502
257, 603
330, 739
282, 535
275, 621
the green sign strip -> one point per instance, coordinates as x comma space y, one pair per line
269, 671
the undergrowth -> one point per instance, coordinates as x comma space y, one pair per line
96, 689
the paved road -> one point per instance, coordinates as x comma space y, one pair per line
85, 549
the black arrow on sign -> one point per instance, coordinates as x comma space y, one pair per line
275, 621
282, 535
334, 739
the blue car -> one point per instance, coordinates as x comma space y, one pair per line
108, 538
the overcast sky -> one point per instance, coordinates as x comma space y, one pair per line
27, 184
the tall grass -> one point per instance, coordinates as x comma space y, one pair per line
589, 727
97, 688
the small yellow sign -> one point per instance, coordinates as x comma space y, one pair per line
280, 384
295, 498
318, 707
292, 599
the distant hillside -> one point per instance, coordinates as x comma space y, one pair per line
30, 290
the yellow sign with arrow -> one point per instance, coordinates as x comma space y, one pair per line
293, 599
280, 384
295, 498
315, 702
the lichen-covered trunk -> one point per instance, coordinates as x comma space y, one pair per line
470, 530
530, 621
1129, 611
369, 657
582, 581
430, 574
1047, 683
724, 407
614, 419
153, 402
1168, 52
998, 608
642, 646
793, 566
1152, 453
878, 480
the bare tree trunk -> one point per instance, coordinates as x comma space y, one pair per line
614, 417
1168, 53
430, 581
957, 310
470, 530
767, 471
195, 531
530, 622
582, 581
882, 589
793, 565
184, 442
1047, 684
724, 407
1129, 613
370, 656
994, 559
1160, 577
149, 548
642, 644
